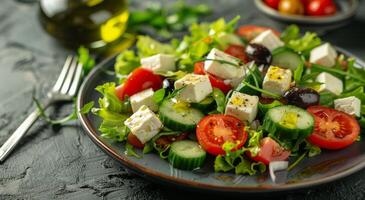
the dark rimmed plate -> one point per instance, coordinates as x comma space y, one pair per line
327, 167
345, 10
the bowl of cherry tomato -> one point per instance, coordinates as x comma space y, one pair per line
309, 11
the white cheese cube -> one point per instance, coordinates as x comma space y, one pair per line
268, 39
330, 83
143, 98
242, 106
144, 124
277, 80
223, 70
159, 63
196, 88
324, 55
350, 105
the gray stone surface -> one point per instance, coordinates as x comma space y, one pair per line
63, 163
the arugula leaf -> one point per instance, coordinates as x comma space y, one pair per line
159, 95
291, 32
304, 44
312, 149
326, 99
85, 59
126, 62
148, 47
298, 73
219, 99
148, 147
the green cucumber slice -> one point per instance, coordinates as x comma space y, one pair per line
186, 155
288, 124
180, 118
286, 58
205, 105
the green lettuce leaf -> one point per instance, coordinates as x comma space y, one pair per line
219, 99
126, 62
291, 32
148, 47
304, 44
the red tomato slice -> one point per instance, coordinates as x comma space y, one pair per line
215, 81
237, 51
320, 7
251, 31
272, 3
139, 80
133, 140
214, 130
333, 129
270, 151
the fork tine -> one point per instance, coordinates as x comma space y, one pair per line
62, 75
70, 74
76, 80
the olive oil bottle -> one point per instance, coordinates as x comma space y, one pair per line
97, 24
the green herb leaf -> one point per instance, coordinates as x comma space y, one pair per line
85, 59
219, 99
148, 147
291, 32
298, 73
268, 93
254, 144
173, 75
87, 107
312, 149
159, 95
130, 151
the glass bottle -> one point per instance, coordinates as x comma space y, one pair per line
95, 24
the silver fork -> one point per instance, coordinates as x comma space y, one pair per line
64, 89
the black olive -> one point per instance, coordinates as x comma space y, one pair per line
168, 84
302, 97
260, 54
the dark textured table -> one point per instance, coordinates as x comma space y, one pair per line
63, 163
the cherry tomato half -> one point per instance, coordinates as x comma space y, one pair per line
134, 141
215, 81
272, 3
320, 7
251, 31
214, 130
139, 80
270, 151
237, 51
333, 129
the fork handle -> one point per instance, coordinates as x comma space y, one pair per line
19, 133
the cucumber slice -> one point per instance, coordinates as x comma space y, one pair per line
263, 108
286, 58
186, 155
288, 124
176, 117
205, 105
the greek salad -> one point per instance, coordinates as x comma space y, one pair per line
246, 97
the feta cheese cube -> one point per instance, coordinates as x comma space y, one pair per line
143, 98
144, 124
330, 83
242, 106
196, 88
159, 63
350, 105
324, 55
223, 70
268, 39
277, 80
